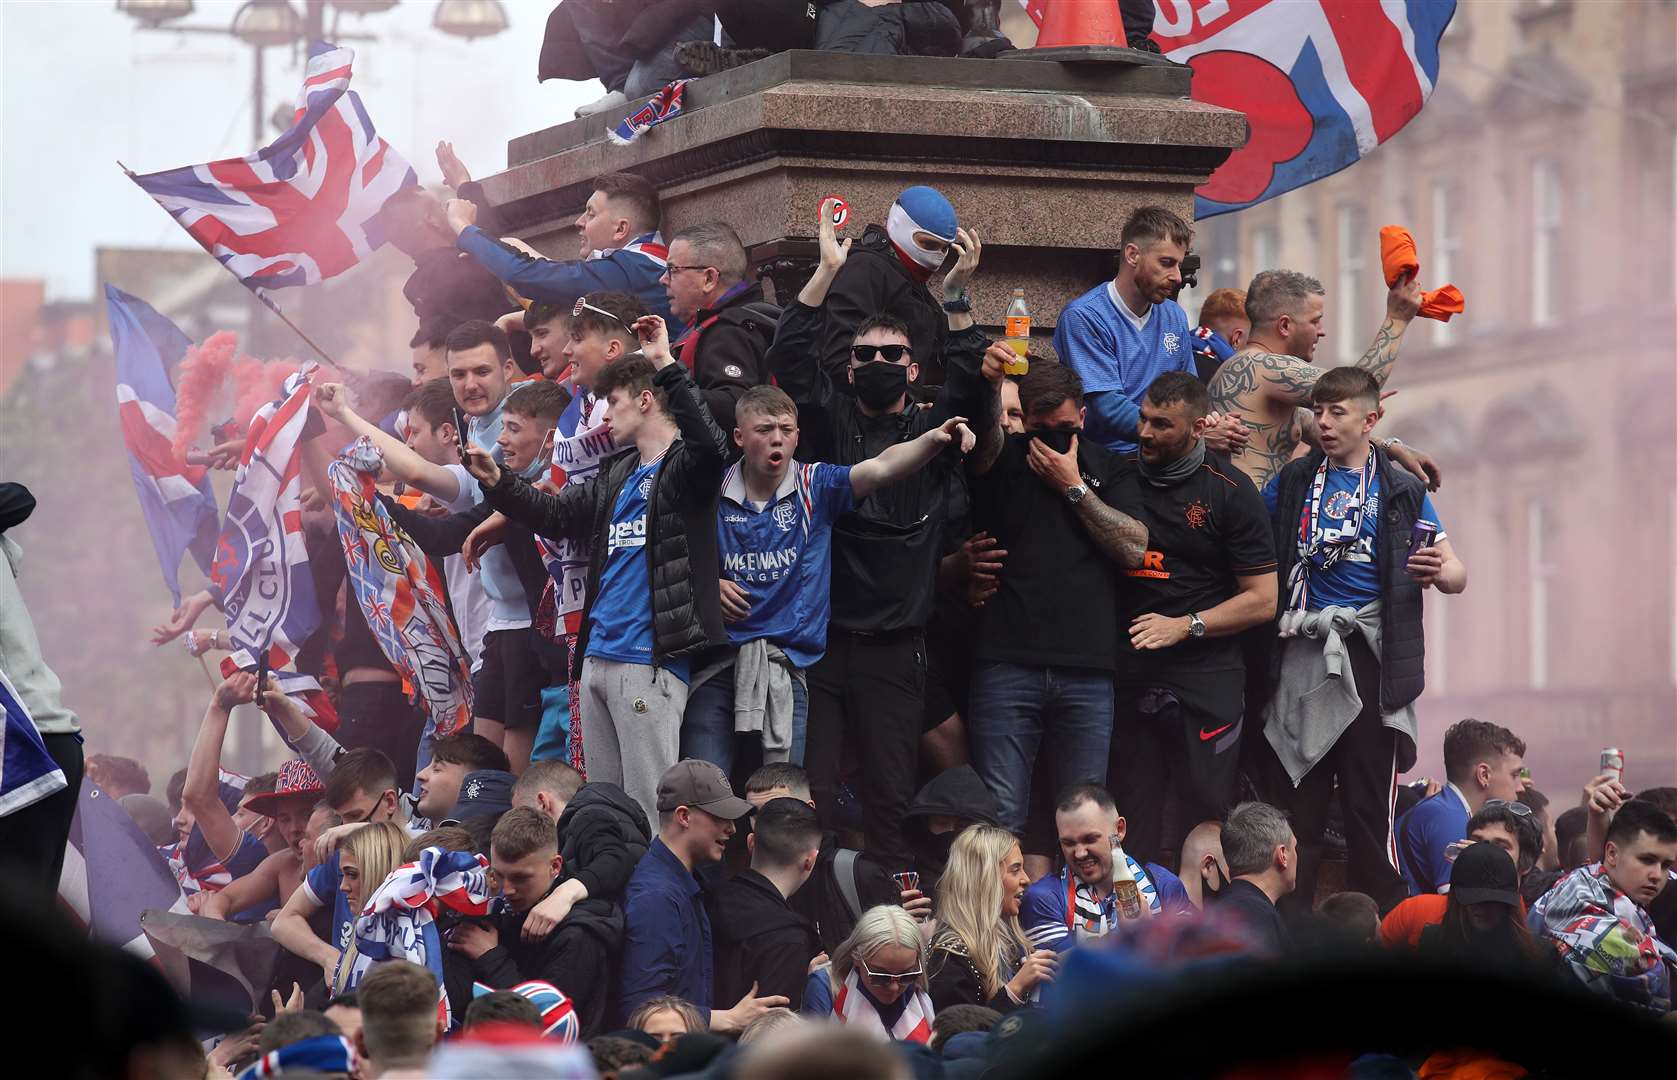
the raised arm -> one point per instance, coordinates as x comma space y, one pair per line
1403, 301
303, 735
400, 461
902, 459
558, 281
565, 515
201, 792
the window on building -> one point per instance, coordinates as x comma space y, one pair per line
1444, 253
1538, 573
1266, 249
1348, 298
1546, 201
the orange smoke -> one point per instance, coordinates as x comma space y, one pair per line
203, 392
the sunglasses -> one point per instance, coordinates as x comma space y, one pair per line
887, 977
1518, 809
865, 354
582, 305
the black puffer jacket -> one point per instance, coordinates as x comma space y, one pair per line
602, 835
681, 524
874, 280
580, 957
727, 350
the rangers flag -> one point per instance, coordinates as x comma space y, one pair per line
261, 568
305, 207
1322, 82
177, 500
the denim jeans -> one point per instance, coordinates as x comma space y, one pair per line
707, 729
1017, 710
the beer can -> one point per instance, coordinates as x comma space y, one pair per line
1613, 761
1422, 534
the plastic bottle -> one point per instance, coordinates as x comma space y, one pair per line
1018, 332
1124, 887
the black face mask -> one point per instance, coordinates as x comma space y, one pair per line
1056, 439
880, 385
1209, 892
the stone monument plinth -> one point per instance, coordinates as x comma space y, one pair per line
1043, 156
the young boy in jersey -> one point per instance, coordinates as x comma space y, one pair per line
774, 531
1352, 566
651, 598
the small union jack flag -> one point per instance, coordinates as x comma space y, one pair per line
304, 208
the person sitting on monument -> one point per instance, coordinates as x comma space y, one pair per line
619, 249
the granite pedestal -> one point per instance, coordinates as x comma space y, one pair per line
1044, 157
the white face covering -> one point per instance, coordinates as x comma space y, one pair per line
901, 229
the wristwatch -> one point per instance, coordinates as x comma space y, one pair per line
1196, 625
960, 305
1075, 493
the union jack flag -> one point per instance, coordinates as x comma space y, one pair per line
1322, 82
112, 874
305, 207
177, 499
399, 919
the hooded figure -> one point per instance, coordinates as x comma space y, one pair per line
950, 801
887, 271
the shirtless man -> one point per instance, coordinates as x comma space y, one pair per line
1268, 381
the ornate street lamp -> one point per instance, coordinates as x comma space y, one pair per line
470, 18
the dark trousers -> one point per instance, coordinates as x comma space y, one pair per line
868, 693
1363, 766
1138, 21
32, 839
1179, 735
377, 714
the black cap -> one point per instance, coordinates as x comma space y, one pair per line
1484, 874
483, 792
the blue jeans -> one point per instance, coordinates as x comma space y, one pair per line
1066, 712
707, 728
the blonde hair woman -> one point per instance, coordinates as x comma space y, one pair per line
665, 1018
365, 859
877, 979
979, 955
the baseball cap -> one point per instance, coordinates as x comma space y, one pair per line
483, 791
1484, 874
701, 785
296, 781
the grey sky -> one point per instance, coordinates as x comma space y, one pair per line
81, 85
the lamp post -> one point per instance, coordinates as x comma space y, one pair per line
263, 24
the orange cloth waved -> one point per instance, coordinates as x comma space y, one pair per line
1398, 258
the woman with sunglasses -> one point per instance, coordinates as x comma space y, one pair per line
877, 979
979, 955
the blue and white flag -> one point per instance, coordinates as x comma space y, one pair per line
28, 773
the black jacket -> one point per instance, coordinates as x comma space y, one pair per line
449, 287
729, 348
951, 979
758, 938
915, 28
872, 281
602, 835
580, 957
681, 524
1245, 902
821, 901
1402, 644
957, 793
885, 552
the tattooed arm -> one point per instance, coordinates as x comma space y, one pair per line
1120, 536
1403, 301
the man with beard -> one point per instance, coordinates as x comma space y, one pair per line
1121, 335
1208, 575
1077, 904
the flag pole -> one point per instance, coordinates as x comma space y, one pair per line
254, 291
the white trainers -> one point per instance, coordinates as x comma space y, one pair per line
613, 100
